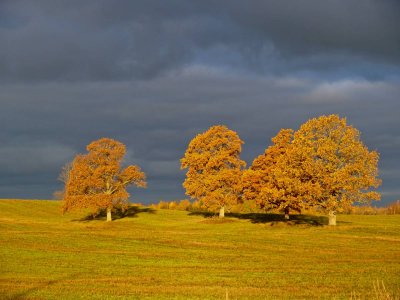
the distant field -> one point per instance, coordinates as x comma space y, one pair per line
173, 255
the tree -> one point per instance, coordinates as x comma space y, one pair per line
337, 163
64, 174
214, 168
63, 177
96, 180
274, 180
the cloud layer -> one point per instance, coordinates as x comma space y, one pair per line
153, 74
103, 40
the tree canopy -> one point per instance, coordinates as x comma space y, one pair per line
96, 180
323, 164
214, 168
273, 180
341, 167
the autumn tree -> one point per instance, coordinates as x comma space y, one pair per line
275, 179
96, 180
340, 167
214, 168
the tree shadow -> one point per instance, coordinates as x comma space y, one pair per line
270, 218
344, 222
205, 214
131, 212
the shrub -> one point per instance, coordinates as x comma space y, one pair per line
172, 205
184, 205
163, 205
393, 208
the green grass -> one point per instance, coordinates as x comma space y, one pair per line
173, 255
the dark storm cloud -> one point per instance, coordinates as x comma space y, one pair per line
157, 118
103, 40
153, 74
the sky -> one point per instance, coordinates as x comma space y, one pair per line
153, 74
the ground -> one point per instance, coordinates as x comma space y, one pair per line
167, 254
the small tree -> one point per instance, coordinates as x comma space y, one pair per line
184, 205
393, 208
214, 168
163, 205
337, 163
63, 177
274, 180
96, 180
172, 205
64, 174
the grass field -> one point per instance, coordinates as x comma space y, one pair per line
168, 254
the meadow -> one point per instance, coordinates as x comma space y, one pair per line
168, 254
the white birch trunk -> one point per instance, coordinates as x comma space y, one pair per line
222, 212
332, 218
109, 219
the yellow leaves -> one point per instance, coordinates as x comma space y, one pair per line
132, 174
106, 149
339, 162
273, 179
324, 163
214, 167
96, 180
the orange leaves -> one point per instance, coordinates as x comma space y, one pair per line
96, 180
323, 164
341, 165
106, 149
214, 167
132, 175
272, 180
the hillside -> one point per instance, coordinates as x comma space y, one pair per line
168, 254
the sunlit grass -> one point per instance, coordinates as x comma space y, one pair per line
171, 254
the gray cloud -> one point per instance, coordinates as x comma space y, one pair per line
100, 40
32, 158
153, 74
157, 118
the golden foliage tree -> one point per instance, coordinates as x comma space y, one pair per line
274, 180
340, 167
96, 180
214, 168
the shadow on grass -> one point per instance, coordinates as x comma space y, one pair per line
272, 219
130, 212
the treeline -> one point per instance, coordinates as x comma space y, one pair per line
251, 207
196, 206
322, 166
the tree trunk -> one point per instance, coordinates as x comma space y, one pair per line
109, 219
287, 213
222, 212
332, 218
